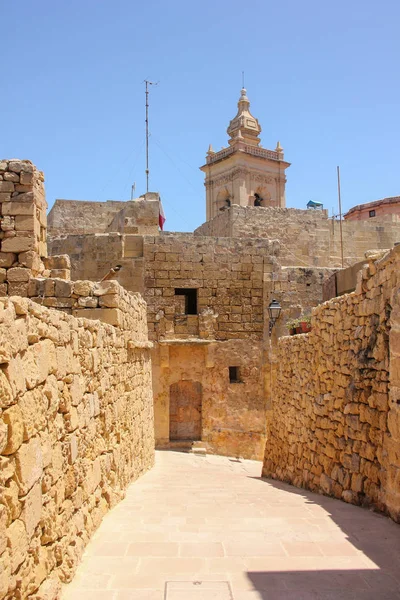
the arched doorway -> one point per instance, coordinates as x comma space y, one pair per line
185, 410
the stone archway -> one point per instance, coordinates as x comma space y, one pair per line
185, 410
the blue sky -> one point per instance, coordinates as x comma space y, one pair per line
322, 77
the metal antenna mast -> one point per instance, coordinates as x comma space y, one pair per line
147, 131
340, 215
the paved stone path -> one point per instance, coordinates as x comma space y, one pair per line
208, 528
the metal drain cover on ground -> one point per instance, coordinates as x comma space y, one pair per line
198, 590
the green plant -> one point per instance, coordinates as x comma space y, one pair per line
305, 319
293, 323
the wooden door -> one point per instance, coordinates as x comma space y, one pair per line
185, 410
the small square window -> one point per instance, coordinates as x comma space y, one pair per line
190, 299
371, 213
234, 375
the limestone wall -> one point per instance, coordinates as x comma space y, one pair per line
307, 237
22, 225
77, 217
335, 425
76, 427
227, 274
232, 418
92, 257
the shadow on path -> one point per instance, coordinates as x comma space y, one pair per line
371, 534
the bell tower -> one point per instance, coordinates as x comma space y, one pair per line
244, 173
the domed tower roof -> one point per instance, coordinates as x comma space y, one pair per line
244, 126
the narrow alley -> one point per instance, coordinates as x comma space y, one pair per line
209, 528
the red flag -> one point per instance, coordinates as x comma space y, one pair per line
161, 216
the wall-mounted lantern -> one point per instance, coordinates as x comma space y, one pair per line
274, 311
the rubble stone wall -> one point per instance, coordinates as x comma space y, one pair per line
76, 427
22, 225
335, 425
307, 237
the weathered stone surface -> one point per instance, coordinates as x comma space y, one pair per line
29, 465
6, 186
17, 244
32, 509
17, 543
335, 426
20, 165
82, 403
106, 287
83, 288
7, 259
12, 417
17, 274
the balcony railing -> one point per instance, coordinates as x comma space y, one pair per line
254, 150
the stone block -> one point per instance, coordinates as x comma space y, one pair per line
17, 541
103, 288
26, 178
7, 259
6, 186
18, 274
83, 288
17, 244
50, 589
110, 300
113, 316
61, 261
6, 394
60, 273
27, 223
63, 289
11, 177
18, 208
32, 509
3, 436
20, 165
18, 288
28, 465
88, 302
5, 573
12, 417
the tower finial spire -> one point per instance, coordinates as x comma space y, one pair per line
244, 126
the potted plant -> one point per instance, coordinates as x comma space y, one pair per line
294, 326
305, 323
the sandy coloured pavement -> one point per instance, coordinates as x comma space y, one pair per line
209, 528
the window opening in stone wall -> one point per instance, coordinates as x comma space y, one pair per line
190, 299
234, 375
371, 213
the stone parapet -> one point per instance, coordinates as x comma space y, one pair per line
335, 426
306, 237
76, 427
22, 225
106, 301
